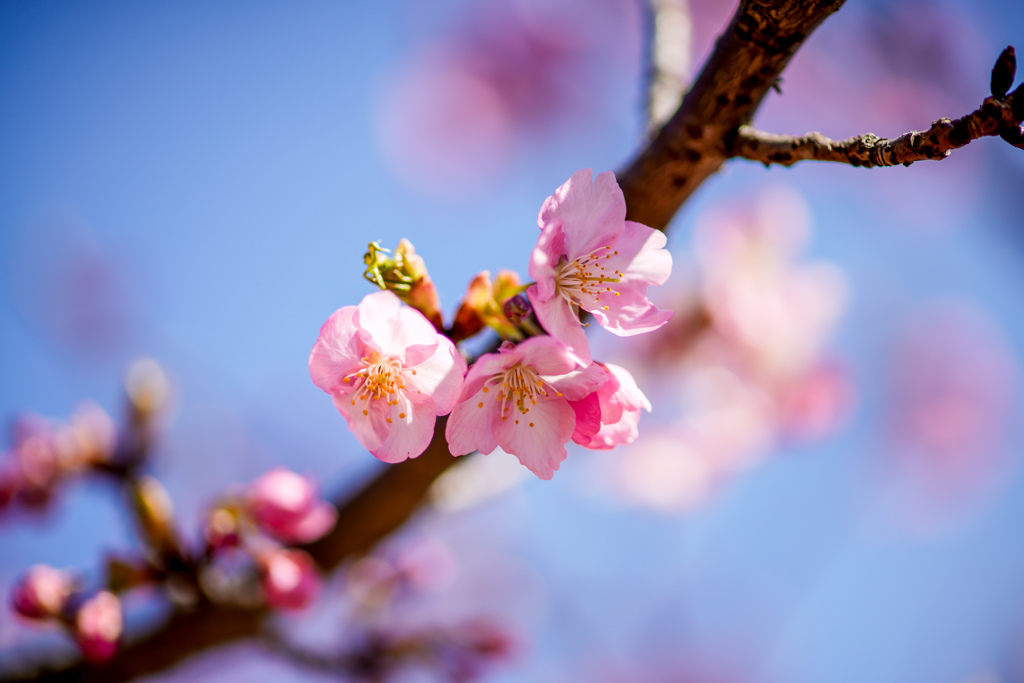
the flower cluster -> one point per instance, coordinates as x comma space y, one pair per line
391, 372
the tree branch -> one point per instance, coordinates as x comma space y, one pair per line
748, 58
993, 117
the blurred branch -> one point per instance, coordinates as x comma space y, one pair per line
747, 60
994, 117
670, 33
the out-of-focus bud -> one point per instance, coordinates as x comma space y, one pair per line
288, 506
98, 626
90, 436
147, 387
406, 275
517, 308
41, 593
484, 305
155, 513
222, 528
290, 579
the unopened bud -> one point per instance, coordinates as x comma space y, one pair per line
155, 513
406, 275
98, 626
1003, 73
290, 579
517, 308
222, 529
41, 593
484, 303
146, 386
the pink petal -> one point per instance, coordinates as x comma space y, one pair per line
588, 418
314, 525
631, 313
547, 355
562, 323
485, 367
538, 437
470, 424
440, 376
622, 432
410, 430
394, 327
642, 255
351, 408
546, 254
627, 393
577, 384
592, 214
338, 350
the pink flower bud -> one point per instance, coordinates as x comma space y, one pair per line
99, 626
288, 507
41, 592
290, 580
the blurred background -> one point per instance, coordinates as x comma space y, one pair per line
829, 485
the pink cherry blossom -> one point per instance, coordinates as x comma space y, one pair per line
288, 507
41, 592
290, 580
518, 399
617, 404
98, 626
590, 257
390, 374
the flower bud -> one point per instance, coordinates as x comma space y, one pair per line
98, 626
406, 275
288, 507
517, 308
147, 387
41, 593
222, 528
1003, 73
155, 513
290, 579
484, 304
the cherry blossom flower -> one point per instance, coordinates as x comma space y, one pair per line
41, 593
98, 626
518, 399
288, 507
390, 374
589, 257
290, 580
617, 404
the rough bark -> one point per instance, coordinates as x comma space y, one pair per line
747, 60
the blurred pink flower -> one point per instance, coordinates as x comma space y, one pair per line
618, 403
98, 626
41, 592
952, 397
290, 579
589, 257
529, 414
288, 507
390, 374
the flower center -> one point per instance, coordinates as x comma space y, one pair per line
381, 377
587, 277
519, 385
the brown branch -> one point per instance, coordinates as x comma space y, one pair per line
748, 58
990, 119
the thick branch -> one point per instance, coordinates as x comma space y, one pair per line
992, 118
748, 58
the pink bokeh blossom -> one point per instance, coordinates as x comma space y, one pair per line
389, 372
290, 579
99, 625
618, 403
518, 399
41, 592
288, 507
590, 258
